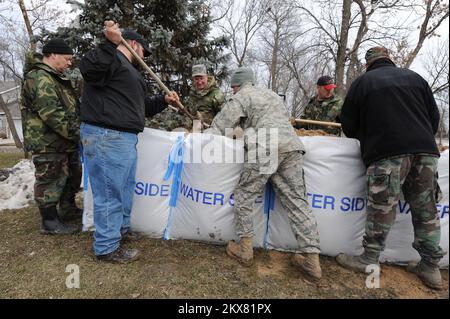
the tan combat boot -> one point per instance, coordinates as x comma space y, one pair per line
309, 265
428, 273
242, 252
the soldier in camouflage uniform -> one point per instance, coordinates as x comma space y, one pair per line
49, 108
396, 128
204, 102
325, 106
257, 110
205, 98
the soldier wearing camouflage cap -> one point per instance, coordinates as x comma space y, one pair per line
394, 115
257, 110
324, 106
50, 120
205, 98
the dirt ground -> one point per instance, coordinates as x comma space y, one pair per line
34, 266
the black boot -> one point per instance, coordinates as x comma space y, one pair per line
51, 223
120, 256
68, 210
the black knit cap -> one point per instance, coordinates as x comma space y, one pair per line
58, 46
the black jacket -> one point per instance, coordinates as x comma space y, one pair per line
391, 111
114, 94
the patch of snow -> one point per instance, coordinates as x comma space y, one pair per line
17, 191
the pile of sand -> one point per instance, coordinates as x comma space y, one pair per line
303, 132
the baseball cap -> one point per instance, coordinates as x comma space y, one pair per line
199, 69
327, 82
133, 35
376, 53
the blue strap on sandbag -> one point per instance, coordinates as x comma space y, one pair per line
269, 205
174, 168
85, 180
85, 172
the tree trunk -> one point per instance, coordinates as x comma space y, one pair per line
355, 68
426, 30
28, 25
342, 48
11, 125
274, 66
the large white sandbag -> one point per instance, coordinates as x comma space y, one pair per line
399, 242
335, 184
336, 189
151, 195
204, 210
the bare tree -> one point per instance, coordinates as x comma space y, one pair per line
369, 22
280, 30
435, 12
437, 69
28, 25
241, 23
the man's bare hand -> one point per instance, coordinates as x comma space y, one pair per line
172, 97
293, 122
112, 32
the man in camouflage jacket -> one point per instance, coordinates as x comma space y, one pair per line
49, 108
325, 106
204, 102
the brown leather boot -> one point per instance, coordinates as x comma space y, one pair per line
309, 265
242, 252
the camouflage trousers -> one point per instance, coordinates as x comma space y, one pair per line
289, 184
206, 117
416, 177
58, 176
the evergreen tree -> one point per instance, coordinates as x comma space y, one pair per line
177, 31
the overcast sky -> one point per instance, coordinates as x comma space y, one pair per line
69, 16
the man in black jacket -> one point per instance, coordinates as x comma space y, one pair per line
113, 110
392, 112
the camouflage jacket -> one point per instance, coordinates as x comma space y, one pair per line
253, 109
207, 102
327, 110
49, 110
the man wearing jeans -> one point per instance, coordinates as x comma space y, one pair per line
113, 110
393, 113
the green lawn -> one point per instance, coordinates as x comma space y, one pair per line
10, 159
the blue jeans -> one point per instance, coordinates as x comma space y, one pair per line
110, 158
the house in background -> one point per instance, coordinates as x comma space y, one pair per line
10, 92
